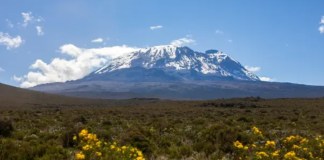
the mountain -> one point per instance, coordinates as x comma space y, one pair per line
172, 63
172, 72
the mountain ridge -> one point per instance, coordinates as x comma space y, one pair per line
172, 72
180, 63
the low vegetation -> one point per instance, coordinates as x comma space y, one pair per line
251, 128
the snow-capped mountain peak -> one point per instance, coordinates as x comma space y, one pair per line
179, 62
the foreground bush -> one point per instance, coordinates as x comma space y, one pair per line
90, 147
5, 128
292, 147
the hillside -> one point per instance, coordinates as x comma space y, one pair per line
16, 97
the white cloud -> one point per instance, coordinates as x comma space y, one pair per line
1, 69
80, 63
183, 41
40, 31
27, 17
156, 27
255, 69
229, 41
219, 31
321, 29
252, 69
267, 79
10, 42
97, 40
18, 79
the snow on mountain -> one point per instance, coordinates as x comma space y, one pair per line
180, 62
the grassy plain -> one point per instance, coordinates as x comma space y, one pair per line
161, 129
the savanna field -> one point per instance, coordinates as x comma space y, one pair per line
250, 128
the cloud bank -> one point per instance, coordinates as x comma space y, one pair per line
9, 41
80, 62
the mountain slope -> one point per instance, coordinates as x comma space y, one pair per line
17, 97
189, 90
171, 72
172, 63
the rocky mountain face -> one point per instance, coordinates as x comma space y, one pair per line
172, 63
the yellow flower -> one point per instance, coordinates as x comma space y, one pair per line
140, 158
238, 144
139, 153
256, 131
92, 146
296, 147
83, 133
270, 144
79, 156
290, 155
91, 137
304, 140
275, 153
261, 155
86, 147
245, 147
293, 139
99, 154
98, 144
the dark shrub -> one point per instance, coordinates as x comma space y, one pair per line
67, 138
218, 137
139, 141
5, 128
80, 119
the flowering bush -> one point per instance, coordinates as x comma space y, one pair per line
293, 147
92, 148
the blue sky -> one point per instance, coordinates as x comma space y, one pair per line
281, 40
